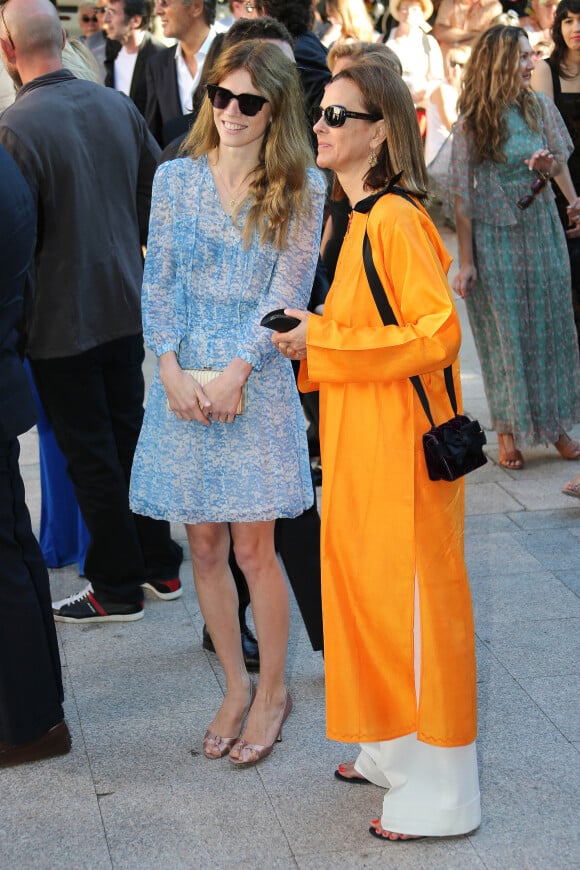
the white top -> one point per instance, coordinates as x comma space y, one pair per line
420, 58
185, 81
437, 132
124, 69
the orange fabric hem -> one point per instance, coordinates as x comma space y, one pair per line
379, 736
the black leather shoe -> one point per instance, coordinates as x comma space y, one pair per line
55, 741
249, 647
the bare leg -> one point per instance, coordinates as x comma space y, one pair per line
218, 600
256, 556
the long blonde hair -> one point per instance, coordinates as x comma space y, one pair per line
355, 20
491, 84
279, 187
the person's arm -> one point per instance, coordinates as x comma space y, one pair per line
164, 315
465, 279
542, 79
408, 260
290, 283
449, 36
436, 70
290, 286
326, 235
446, 107
554, 158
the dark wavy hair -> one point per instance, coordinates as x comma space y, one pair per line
257, 28
144, 8
296, 15
560, 51
208, 10
491, 84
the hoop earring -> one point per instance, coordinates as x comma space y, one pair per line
372, 158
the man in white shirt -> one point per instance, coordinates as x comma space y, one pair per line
173, 74
129, 47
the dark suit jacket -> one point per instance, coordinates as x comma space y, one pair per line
17, 232
163, 102
314, 74
138, 92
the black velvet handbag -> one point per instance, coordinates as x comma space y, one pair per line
456, 447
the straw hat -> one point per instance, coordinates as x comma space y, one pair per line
426, 6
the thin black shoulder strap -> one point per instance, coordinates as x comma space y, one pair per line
388, 316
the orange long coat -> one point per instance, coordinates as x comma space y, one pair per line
382, 518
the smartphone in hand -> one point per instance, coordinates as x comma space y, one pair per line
278, 321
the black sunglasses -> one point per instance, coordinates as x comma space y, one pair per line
249, 104
537, 185
335, 116
89, 18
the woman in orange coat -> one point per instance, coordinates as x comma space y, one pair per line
398, 625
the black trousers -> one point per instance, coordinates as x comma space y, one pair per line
94, 402
298, 544
30, 677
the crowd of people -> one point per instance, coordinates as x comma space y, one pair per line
293, 179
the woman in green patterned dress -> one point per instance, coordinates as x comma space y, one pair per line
514, 269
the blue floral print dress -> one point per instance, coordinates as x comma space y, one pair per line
204, 295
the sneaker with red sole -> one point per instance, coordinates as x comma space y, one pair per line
166, 590
85, 607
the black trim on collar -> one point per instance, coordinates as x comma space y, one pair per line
365, 205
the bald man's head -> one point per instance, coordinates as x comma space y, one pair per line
32, 25
31, 39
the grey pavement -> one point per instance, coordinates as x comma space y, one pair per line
137, 792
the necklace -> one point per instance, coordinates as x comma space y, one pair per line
233, 194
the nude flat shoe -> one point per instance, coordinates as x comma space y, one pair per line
251, 753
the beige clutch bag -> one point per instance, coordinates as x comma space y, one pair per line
205, 375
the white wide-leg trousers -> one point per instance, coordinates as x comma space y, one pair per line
432, 790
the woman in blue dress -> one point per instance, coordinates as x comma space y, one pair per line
515, 274
234, 234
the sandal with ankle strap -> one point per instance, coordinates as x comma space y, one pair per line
356, 779
567, 447
510, 459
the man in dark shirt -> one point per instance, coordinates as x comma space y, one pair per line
32, 722
89, 161
309, 52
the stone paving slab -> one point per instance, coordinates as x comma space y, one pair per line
136, 792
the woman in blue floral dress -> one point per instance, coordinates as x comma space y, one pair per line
514, 270
235, 231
